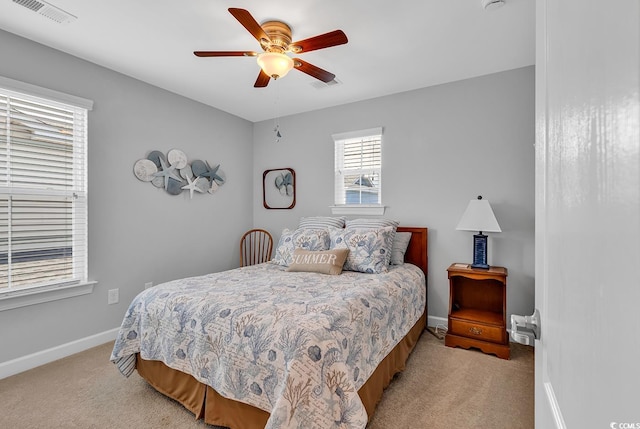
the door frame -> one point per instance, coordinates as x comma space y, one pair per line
547, 409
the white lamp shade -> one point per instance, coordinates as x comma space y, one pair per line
274, 64
479, 217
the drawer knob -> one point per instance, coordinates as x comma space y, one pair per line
475, 331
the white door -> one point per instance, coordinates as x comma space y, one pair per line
588, 213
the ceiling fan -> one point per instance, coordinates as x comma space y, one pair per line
275, 40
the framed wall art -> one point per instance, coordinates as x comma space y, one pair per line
279, 188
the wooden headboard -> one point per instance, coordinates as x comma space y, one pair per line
417, 251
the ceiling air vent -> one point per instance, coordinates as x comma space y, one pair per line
318, 84
47, 10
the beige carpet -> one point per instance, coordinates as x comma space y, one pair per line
440, 388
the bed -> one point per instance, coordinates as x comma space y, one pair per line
293, 349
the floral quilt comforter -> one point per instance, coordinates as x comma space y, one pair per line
298, 345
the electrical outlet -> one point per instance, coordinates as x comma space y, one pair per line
147, 285
114, 296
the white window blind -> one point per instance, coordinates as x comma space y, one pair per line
358, 167
43, 192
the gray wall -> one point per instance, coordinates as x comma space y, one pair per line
442, 146
137, 233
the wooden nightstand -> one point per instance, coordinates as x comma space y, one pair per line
478, 309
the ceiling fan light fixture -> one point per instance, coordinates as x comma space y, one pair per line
275, 64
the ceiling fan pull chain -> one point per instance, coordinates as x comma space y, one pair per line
276, 120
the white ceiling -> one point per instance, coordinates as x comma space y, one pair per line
394, 46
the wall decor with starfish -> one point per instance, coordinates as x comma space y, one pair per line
279, 188
174, 174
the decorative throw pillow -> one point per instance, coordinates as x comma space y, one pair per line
309, 239
318, 261
364, 223
368, 248
321, 222
400, 244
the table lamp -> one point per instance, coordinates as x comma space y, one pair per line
479, 217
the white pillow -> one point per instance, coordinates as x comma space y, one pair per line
400, 244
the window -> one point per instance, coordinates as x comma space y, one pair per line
43, 191
358, 172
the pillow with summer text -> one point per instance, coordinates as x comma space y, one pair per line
318, 261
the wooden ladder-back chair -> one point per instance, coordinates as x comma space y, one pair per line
255, 247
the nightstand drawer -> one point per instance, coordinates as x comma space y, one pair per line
477, 331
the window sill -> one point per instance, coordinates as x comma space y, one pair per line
22, 298
362, 210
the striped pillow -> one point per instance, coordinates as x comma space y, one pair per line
371, 223
321, 222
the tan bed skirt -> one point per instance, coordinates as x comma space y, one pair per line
204, 402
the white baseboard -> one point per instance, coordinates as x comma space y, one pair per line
33, 360
435, 321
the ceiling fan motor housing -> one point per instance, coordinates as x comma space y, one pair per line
280, 35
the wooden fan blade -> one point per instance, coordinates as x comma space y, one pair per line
244, 17
313, 71
225, 53
326, 40
262, 81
